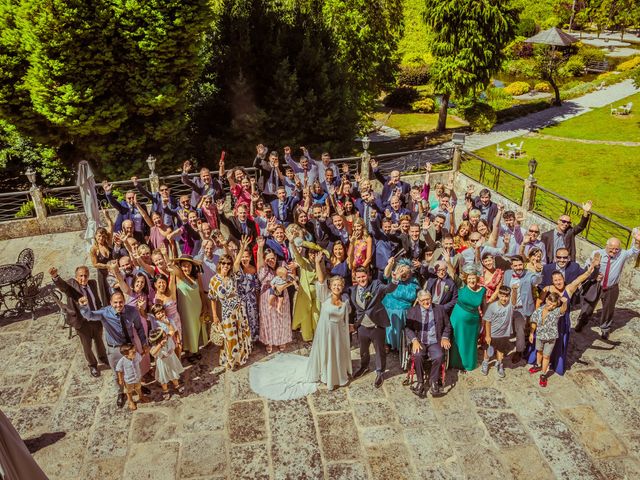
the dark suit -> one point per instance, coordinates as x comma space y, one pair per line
491, 214
289, 205
388, 190
414, 330
88, 332
199, 188
235, 228
449, 293
571, 272
372, 307
282, 253
411, 252
168, 212
569, 239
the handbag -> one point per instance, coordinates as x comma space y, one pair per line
217, 335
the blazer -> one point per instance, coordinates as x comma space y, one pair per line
289, 205
126, 212
406, 242
491, 214
235, 228
414, 323
449, 297
169, 212
199, 188
278, 250
387, 190
569, 239
72, 290
375, 292
571, 272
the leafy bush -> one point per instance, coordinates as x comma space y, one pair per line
577, 91
401, 97
520, 68
413, 74
526, 28
481, 117
517, 88
574, 67
591, 54
629, 64
52, 203
519, 49
542, 87
498, 98
425, 105
604, 75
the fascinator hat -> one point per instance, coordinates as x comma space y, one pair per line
472, 269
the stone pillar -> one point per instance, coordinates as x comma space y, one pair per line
154, 181
364, 165
38, 203
528, 197
457, 158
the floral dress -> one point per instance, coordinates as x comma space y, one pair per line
248, 288
359, 252
235, 326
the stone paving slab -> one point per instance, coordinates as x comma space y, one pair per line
584, 425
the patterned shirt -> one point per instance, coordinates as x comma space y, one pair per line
547, 328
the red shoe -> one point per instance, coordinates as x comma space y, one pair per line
535, 369
543, 380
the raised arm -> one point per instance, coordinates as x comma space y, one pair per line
111, 199
260, 241
493, 237
573, 286
586, 211
145, 215
115, 271
140, 187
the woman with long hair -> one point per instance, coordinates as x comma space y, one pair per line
248, 287
360, 246
101, 254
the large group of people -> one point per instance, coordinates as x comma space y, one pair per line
419, 271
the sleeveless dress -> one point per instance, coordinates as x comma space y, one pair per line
156, 239
275, 327
235, 326
305, 306
171, 309
465, 321
103, 273
289, 376
248, 288
194, 332
359, 252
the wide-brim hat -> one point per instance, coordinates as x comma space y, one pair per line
156, 335
187, 258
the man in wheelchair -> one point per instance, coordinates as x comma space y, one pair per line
428, 331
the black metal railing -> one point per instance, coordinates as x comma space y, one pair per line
502, 181
62, 200
600, 228
16, 205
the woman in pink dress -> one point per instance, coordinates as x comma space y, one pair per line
275, 327
159, 232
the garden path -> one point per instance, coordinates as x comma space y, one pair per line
583, 140
534, 121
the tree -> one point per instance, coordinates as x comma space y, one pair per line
549, 61
469, 37
105, 81
291, 72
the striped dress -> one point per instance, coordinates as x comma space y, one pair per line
275, 327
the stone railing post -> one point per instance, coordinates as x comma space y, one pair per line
154, 181
529, 194
457, 158
38, 203
365, 160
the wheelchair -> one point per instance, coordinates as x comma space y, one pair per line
409, 364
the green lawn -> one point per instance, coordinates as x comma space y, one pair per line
414, 123
606, 174
599, 124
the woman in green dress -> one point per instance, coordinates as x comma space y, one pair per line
192, 305
306, 311
465, 320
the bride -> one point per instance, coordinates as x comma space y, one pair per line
289, 376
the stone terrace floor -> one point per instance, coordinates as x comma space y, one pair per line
584, 425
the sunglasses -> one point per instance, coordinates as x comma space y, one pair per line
225, 263
565, 221
564, 257
474, 239
534, 231
164, 189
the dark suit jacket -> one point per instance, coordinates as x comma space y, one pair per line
289, 204
199, 189
406, 242
414, 324
277, 249
571, 272
72, 290
235, 228
493, 210
450, 295
373, 303
569, 239
403, 187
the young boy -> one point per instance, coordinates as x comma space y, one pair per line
498, 321
544, 322
129, 376
280, 282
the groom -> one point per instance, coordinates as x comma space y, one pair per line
371, 320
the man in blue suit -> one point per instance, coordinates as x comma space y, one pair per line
283, 206
570, 270
442, 288
371, 320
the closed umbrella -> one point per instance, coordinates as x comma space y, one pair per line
87, 185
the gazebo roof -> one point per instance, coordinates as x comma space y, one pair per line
553, 36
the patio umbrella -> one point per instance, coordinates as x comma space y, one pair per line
553, 36
87, 185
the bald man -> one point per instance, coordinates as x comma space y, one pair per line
612, 262
391, 185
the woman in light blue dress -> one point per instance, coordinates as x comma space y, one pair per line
398, 302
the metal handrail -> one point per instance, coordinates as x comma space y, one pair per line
497, 167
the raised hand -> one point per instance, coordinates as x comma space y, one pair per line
287, 150
506, 238
526, 238
141, 303
374, 163
426, 223
83, 301
106, 186
470, 189
500, 207
428, 167
252, 180
345, 168
186, 166
387, 213
519, 216
134, 180
586, 206
261, 241
595, 262
53, 271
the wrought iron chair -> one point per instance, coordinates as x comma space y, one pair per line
27, 258
29, 294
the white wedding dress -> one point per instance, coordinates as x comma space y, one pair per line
289, 376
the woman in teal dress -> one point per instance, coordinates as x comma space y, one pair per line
465, 320
398, 302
